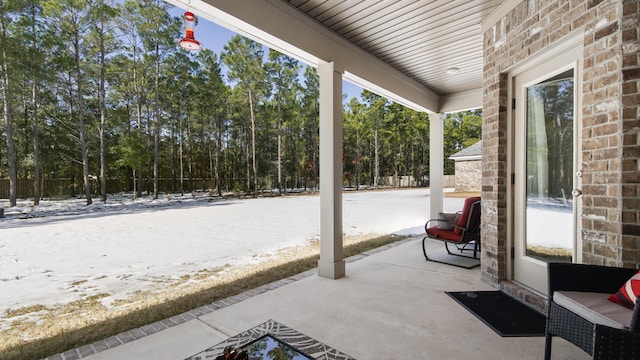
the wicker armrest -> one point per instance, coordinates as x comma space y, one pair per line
610, 343
589, 278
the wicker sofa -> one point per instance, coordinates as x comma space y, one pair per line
579, 312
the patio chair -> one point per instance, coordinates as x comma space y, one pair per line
461, 229
579, 311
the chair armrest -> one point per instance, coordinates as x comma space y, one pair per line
426, 226
455, 226
436, 221
611, 343
589, 278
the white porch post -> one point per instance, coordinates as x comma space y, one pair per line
436, 164
331, 264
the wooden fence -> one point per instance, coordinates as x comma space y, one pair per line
48, 188
63, 188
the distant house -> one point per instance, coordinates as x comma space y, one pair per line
468, 168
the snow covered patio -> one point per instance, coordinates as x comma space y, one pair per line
391, 305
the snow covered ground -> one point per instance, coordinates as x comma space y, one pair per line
64, 251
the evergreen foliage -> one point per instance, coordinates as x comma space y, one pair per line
98, 92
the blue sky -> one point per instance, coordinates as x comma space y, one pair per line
215, 37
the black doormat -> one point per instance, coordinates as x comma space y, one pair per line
505, 315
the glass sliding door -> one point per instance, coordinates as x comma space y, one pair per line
549, 169
546, 145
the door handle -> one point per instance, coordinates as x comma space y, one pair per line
576, 192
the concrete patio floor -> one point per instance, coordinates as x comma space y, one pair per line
391, 305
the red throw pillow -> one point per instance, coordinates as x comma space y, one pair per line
628, 292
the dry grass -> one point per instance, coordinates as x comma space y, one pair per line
549, 254
86, 321
24, 310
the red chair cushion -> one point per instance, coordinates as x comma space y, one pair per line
450, 235
466, 212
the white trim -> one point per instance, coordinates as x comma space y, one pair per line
436, 167
575, 39
462, 101
465, 158
373, 87
571, 41
331, 263
569, 54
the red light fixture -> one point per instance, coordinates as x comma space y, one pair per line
189, 42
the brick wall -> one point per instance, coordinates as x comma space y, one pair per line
611, 144
601, 154
468, 175
630, 171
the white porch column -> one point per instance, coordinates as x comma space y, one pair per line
331, 264
436, 163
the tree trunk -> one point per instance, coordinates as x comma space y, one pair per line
376, 153
36, 132
8, 120
247, 161
316, 155
253, 145
174, 151
279, 148
190, 147
218, 150
156, 126
103, 121
136, 191
137, 173
180, 154
82, 130
36, 147
211, 169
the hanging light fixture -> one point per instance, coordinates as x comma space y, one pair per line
189, 42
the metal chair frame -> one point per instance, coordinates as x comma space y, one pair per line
470, 235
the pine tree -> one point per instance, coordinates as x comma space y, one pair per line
158, 32
6, 43
311, 113
102, 43
283, 72
244, 59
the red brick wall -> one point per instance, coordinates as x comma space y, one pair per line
610, 97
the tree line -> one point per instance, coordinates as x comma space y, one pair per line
97, 91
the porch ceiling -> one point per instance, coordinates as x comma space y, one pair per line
420, 38
401, 49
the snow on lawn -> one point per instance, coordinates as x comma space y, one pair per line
63, 251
